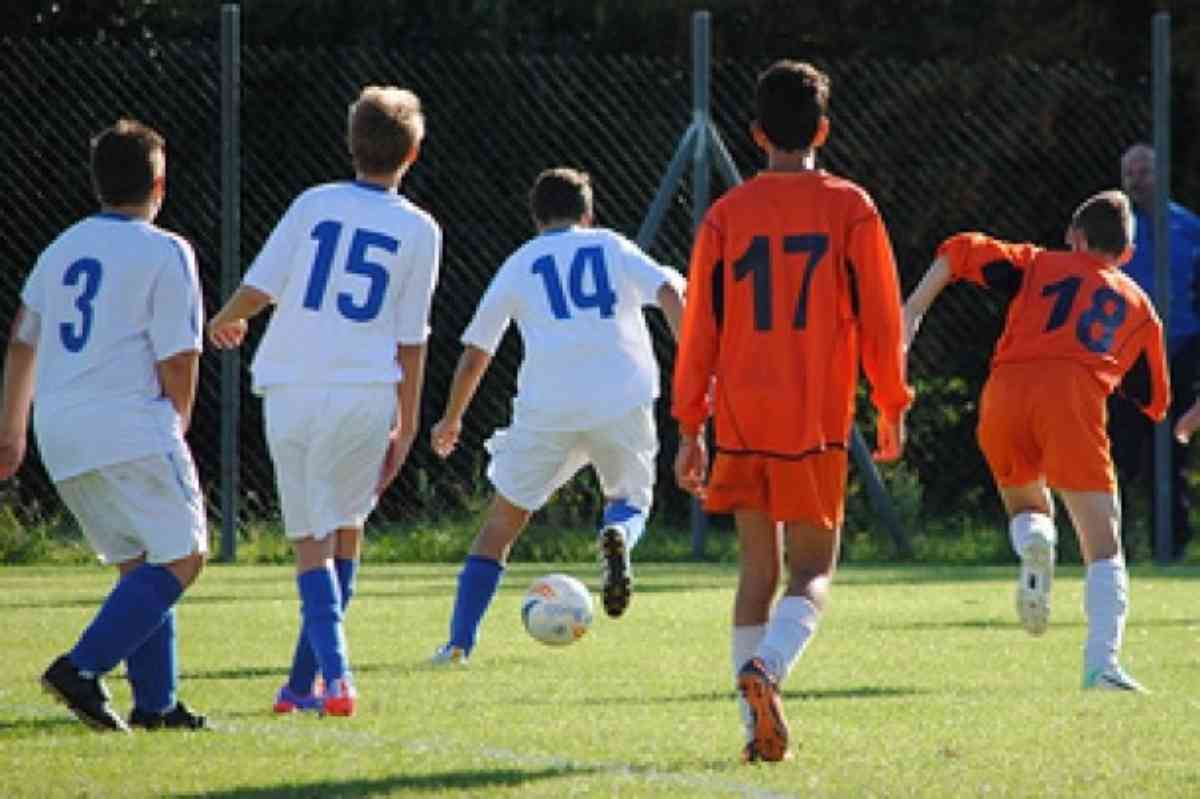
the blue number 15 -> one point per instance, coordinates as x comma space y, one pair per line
587, 259
327, 234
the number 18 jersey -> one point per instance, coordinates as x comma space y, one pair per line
352, 268
1068, 307
792, 281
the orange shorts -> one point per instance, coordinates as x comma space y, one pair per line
811, 489
1041, 421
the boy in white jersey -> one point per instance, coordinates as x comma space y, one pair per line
351, 268
105, 345
576, 294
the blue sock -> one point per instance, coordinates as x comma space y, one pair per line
132, 611
304, 660
632, 520
154, 670
321, 607
477, 583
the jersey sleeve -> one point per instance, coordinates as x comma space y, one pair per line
989, 262
416, 295
869, 251
645, 274
270, 269
1147, 383
496, 309
177, 311
32, 294
696, 356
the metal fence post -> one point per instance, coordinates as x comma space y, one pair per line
230, 268
1161, 44
701, 166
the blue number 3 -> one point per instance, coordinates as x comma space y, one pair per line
602, 298
73, 338
327, 234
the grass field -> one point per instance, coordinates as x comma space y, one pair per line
919, 683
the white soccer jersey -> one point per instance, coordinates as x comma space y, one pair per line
114, 296
352, 268
576, 295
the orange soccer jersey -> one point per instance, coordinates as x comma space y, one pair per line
1077, 329
791, 277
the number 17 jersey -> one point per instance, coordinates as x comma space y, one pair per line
792, 283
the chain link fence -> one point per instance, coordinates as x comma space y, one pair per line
1001, 146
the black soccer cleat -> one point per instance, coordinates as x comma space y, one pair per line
177, 718
86, 697
617, 583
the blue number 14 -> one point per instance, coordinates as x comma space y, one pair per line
586, 260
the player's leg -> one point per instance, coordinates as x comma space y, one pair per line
1097, 520
152, 508
1034, 539
623, 454
302, 682
527, 466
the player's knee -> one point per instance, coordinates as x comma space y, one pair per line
187, 568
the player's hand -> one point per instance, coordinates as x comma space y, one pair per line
889, 440
1187, 424
399, 445
691, 464
444, 436
12, 453
226, 335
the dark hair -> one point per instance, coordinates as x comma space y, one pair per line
383, 126
1105, 219
123, 162
790, 99
560, 193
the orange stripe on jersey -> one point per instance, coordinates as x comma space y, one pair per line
792, 281
1067, 306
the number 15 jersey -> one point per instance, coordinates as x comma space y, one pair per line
1069, 307
792, 281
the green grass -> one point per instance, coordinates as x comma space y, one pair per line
919, 683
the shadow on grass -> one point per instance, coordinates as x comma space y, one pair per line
1008, 624
860, 692
459, 780
42, 725
256, 672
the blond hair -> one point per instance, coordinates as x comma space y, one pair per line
384, 124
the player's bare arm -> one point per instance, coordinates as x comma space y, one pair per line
1187, 424
411, 358
228, 328
472, 365
922, 297
670, 300
19, 363
178, 376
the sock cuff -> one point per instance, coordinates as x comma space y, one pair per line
619, 510
797, 609
480, 562
166, 586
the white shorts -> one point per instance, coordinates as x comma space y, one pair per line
328, 444
528, 466
151, 506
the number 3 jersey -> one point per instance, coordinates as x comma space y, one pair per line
351, 267
792, 282
1070, 307
576, 295
113, 296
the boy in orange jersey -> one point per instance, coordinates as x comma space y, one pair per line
791, 278
1078, 328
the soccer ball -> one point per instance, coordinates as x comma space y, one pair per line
557, 609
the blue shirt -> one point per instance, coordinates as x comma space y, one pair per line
1185, 269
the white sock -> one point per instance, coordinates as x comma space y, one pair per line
792, 624
745, 640
1025, 525
1106, 603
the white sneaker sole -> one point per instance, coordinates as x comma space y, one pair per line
1033, 590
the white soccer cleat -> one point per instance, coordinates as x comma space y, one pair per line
449, 656
1112, 679
1033, 590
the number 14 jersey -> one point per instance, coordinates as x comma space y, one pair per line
1069, 307
792, 282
